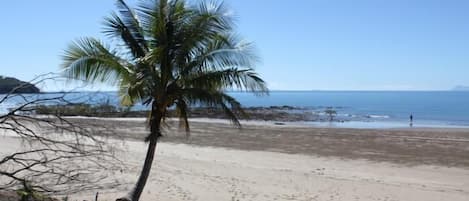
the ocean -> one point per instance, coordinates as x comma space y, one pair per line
442, 108
361, 109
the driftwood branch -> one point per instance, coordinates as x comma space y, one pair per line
54, 154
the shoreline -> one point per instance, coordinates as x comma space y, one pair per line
315, 116
373, 125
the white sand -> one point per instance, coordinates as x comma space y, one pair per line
183, 172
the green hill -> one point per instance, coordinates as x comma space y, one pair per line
7, 84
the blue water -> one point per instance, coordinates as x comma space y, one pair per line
445, 107
372, 108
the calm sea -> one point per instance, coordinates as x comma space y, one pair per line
358, 108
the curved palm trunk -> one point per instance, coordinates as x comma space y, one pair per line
155, 134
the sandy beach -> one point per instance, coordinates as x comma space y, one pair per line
131, 100
264, 161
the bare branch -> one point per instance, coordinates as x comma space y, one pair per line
54, 155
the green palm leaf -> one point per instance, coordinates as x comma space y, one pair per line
88, 59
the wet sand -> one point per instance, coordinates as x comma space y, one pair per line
408, 146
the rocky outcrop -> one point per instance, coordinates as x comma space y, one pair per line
13, 85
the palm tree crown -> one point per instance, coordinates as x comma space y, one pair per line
168, 54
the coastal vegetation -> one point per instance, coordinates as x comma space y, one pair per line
172, 54
13, 85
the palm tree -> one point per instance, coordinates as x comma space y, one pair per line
168, 54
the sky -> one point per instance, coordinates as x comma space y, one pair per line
303, 44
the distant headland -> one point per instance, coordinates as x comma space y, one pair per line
8, 84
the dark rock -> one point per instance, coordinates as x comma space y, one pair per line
13, 85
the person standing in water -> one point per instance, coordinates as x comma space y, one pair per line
411, 120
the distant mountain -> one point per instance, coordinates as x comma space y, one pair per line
461, 88
7, 84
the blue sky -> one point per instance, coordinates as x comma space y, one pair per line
304, 44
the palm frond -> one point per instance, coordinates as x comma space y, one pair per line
132, 90
218, 14
130, 19
215, 99
233, 78
220, 53
153, 15
127, 31
88, 59
201, 25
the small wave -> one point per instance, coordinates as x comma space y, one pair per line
374, 116
347, 115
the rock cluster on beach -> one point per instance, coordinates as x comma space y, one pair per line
272, 113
